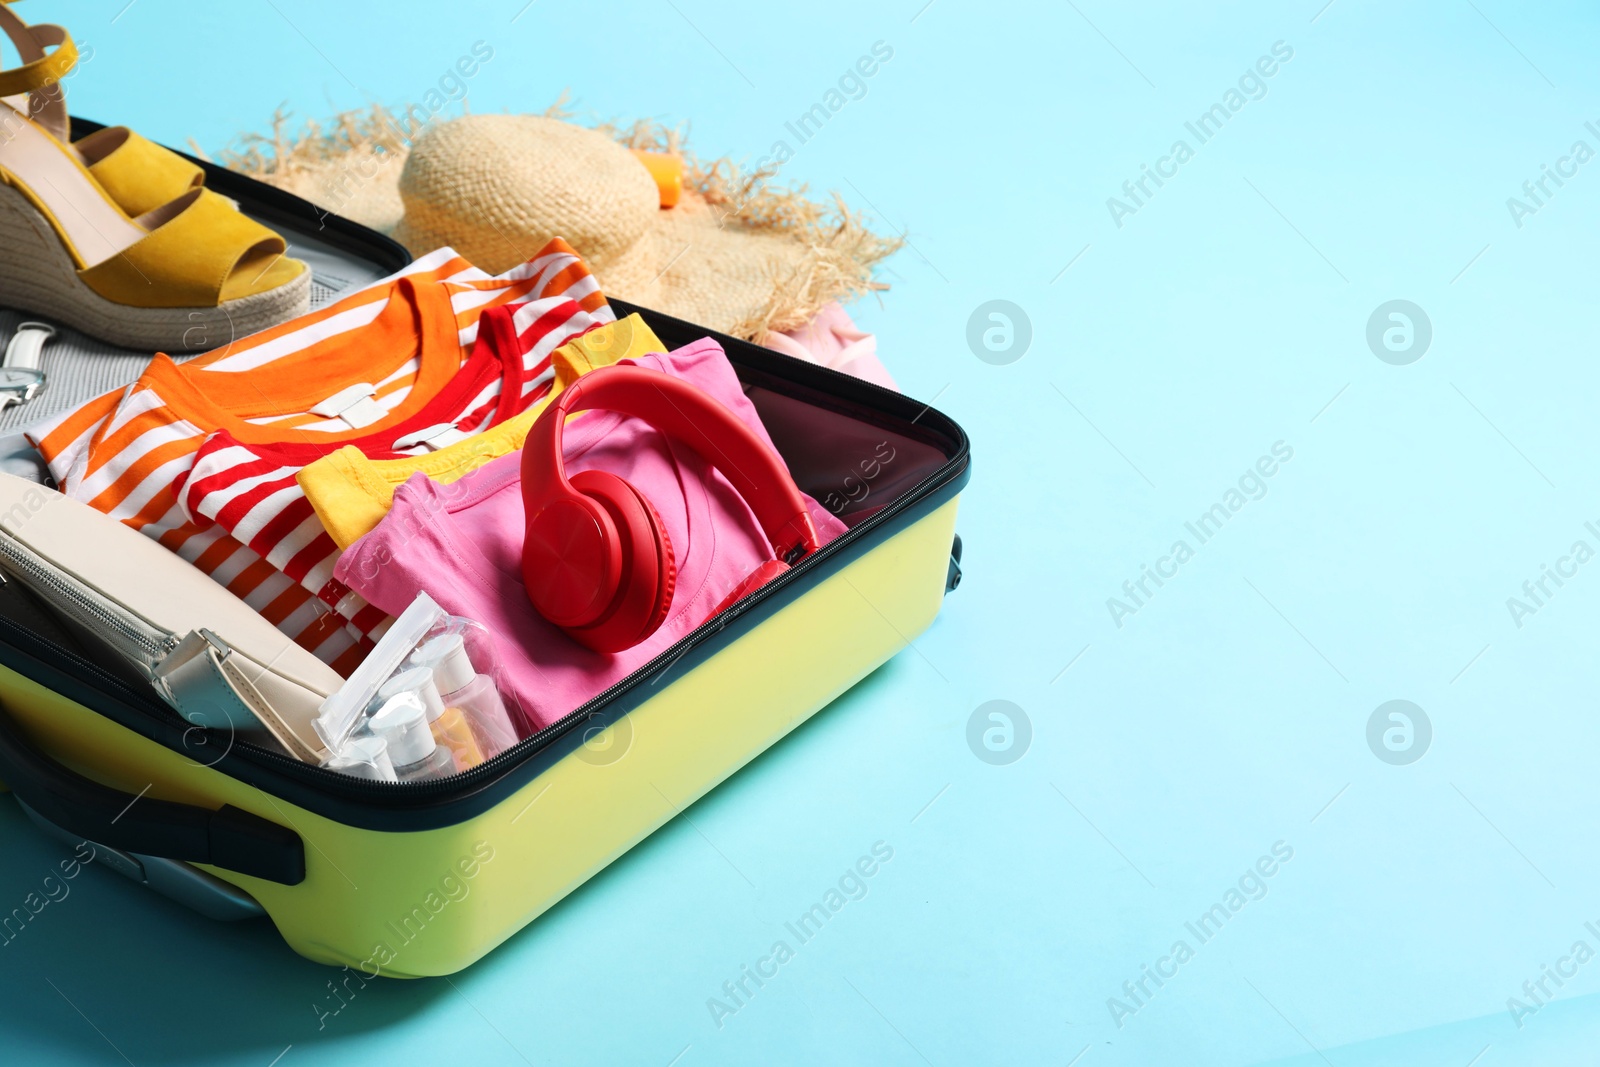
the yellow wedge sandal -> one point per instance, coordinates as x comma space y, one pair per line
138, 174
114, 236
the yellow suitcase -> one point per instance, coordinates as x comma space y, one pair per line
422, 879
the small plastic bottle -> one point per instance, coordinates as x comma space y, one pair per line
448, 723
461, 686
402, 722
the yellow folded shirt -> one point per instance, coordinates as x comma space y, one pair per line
351, 493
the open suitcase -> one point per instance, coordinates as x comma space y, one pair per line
422, 879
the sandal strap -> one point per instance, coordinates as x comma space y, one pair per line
140, 175
40, 75
185, 259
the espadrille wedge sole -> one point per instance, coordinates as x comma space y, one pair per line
37, 275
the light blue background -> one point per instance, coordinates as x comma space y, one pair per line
1229, 313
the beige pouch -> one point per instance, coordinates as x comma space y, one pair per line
208, 653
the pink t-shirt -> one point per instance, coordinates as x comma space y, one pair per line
461, 543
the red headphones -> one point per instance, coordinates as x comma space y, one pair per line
596, 560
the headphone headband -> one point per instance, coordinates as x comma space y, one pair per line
685, 414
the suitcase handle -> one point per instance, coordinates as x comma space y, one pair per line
230, 838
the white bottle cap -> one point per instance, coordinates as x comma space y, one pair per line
418, 680
402, 722
447, 655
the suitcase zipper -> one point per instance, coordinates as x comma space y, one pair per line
648, 674
347, 787
49, 651
136, 639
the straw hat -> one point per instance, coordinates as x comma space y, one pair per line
734, 254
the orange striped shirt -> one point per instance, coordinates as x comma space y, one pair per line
126, 452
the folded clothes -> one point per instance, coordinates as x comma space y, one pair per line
356, 368
833, 340
251, 491
462, 543
351, 492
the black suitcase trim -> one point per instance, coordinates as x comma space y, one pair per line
427, 805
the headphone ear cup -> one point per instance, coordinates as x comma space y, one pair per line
667, 563
572, 560
649, 571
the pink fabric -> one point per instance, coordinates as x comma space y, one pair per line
462, 543
833, 340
